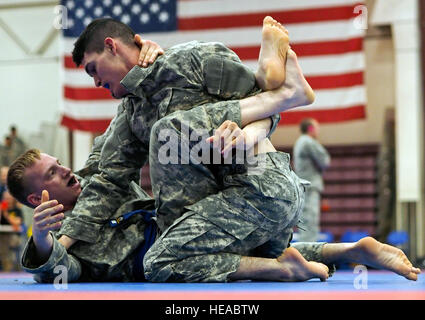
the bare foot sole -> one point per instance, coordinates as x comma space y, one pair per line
274, 47
378, 255
296, 268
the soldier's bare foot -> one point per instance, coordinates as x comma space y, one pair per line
296, 268
294, 92
302, 94
274, 47
378, 255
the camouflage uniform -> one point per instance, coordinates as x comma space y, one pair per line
251, 215
310, 160
187, 75
221, 211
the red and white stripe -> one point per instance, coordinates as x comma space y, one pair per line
322, 33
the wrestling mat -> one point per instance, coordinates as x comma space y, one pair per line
343, 285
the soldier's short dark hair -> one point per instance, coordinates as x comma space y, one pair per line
305, 124
93, 36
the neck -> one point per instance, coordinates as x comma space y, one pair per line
309, 134
130, 57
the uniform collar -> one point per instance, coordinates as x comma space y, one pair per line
134, 78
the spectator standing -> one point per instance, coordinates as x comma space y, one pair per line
310, 160
6, 152
18, 144
10, 241
3, 180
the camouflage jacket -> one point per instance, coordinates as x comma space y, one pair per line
187, 75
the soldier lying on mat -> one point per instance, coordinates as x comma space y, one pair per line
247, 215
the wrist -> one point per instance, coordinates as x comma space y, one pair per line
44, 245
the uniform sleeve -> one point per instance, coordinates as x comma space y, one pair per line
312, 251
121, 157
58, 262
223, 74
319, 155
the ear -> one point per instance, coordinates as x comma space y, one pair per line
110, 45
34, 199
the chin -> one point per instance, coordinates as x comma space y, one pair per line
119, 96
119, 93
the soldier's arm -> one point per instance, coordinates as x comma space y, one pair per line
66, 241
229, 135
319, 155
149, 50
121, 157
91, 166
57, 261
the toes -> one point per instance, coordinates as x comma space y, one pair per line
412, 276
416, 270
291, 53
268, 20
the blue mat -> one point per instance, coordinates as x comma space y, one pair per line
342, 285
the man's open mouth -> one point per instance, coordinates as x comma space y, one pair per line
72, 182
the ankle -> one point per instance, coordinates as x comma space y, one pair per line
338, 252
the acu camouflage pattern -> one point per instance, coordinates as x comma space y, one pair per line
183, 79
185, 76
227, 211
120, 152
110, 259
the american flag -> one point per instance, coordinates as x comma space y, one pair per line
323, 33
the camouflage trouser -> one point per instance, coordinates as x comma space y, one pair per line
216, 217
310, 218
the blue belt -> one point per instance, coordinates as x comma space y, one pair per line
150, 236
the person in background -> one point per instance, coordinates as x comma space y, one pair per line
310, 160
6, 152
3, 182
18, 145
10, 241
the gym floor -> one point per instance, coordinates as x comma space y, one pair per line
343, 285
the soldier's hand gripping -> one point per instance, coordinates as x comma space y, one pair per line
150, 50
229, 136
